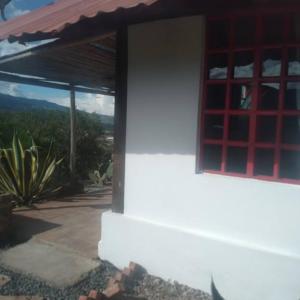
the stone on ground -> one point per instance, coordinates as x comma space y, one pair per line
58, 267
3, 280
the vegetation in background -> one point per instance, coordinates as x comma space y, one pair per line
102, 178
23, 174
46, 126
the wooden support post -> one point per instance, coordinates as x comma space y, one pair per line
72, 134
120, 120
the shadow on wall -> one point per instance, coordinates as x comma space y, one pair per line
214, 292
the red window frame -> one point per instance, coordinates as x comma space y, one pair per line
252, 145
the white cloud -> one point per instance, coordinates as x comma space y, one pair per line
91, 103
9, 88
12, 11
7, 48
96, 103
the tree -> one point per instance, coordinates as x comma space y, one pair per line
54, 126
3, 4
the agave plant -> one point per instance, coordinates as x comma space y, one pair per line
99, 179
22, 173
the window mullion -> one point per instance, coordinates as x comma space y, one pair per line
255, 83
228, 95
284, 68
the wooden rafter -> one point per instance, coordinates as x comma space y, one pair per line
79, 63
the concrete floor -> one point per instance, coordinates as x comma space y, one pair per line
70, 222
57, 241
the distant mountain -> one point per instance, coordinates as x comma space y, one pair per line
12, 103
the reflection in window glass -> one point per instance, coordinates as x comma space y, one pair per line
291, 130
290, 164
264, 162
214, 125
271, 65
272, 29
268, 96
212, 157
236, 160
243, 64
244, 31
217, 66
292, 96
294, 62
239, 128
218, 34
216, 94
266, 129
241, 96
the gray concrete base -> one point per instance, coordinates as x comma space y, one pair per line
58, 267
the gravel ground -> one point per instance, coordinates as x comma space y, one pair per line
22, 284
149, 287
153, 288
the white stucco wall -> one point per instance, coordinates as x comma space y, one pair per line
244, 232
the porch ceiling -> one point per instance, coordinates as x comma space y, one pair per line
88, 63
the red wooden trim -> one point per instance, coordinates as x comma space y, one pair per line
290, 147
258, 177
256, 81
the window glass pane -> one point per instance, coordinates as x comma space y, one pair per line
241, 96
273, 29
236, 160
294, 62
243, 64
295, 28
218, 34
268, 96
291, 130
214, 125
290, 164
244, 31
239, 128
212, 157
271, 65
216, 94
292, 96
266, 129
217, 66
264, 162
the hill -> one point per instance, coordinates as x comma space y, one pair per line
20, 104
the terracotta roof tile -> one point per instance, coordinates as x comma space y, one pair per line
55, 17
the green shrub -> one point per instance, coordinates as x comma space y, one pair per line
54, 126
23, 174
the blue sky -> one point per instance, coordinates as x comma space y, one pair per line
88, 102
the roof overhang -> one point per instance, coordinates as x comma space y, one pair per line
88, 65
84, 53
54, 19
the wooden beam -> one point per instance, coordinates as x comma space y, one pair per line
120, 120
59, 86
72, 134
